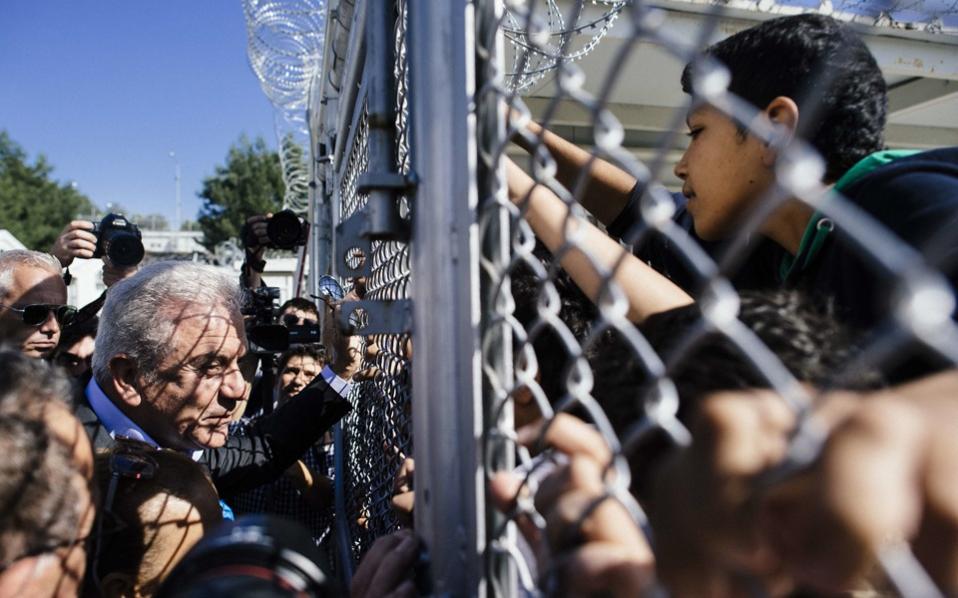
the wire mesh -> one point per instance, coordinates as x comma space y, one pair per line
543, 39
543, 339
377, 433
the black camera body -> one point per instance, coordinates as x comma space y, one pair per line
265, 336
285, 230
261, 305
119, 239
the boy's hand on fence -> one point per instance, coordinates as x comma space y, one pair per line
75, 240
345, 350
594, 544
886, 477
388, 568
404, 497
704, 513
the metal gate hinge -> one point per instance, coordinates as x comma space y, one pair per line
385, 181
376, 317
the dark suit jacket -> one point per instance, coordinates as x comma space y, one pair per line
275, 441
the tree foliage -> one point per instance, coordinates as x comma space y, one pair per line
33, 206
250, 183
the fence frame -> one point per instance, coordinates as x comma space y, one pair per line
447, 391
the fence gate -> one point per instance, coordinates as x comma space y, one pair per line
409, 129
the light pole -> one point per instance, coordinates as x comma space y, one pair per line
176, 223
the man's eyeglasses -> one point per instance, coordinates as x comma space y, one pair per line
36, 314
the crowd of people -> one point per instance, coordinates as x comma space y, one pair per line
138, 425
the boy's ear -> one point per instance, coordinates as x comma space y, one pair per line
123, 372
783, 114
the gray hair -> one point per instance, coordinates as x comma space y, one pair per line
13, 258
138, 319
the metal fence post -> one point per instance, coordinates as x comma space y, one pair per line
446, 368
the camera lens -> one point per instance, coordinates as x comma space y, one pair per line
255, 555
285, 230
125, 249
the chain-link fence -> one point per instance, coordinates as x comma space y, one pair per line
522, 312
368, 145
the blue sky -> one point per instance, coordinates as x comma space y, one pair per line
106, 89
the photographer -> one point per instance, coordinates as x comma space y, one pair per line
83, 239
283, 230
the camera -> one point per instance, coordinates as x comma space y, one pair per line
256, 555
285, 230
264, 334
119, 239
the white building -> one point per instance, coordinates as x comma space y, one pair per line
8, 241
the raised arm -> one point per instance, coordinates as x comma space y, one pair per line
648, 291
608, 188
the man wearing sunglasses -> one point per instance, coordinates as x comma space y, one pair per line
32, 302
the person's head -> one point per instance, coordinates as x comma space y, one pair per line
553, 358
46, 506
29, 280
807, 74
298, 311
153, 520
168, 350
803, 334
296, 368
74, 353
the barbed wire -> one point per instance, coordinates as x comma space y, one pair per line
285, 48
555, 38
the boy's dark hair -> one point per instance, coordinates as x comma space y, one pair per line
825, 68
576, 311
805, 337
300, 303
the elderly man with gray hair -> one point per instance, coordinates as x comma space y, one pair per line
32, 301
167, 371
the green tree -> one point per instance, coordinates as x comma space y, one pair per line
33, 206
250, 183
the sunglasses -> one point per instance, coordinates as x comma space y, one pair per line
36, 314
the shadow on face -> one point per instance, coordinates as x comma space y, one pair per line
152, 521
31, 286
